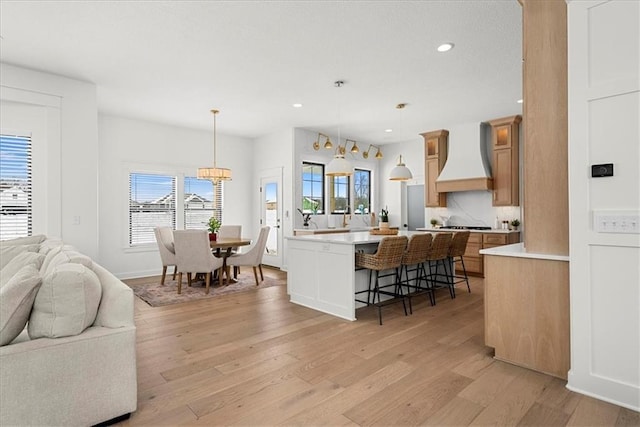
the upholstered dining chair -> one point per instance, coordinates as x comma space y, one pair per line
253, 257
193, 254
231, 232
164, 238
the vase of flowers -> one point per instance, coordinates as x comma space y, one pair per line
214, 226
384, 218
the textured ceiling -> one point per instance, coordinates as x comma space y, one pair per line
171, 62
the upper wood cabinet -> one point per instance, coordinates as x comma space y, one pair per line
506, 166
435, 156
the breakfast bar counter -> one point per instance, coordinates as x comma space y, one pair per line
322, 274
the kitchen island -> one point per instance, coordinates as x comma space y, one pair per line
322, 273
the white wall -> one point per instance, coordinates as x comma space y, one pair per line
271, 153
128, 145
304, 152
73, 168
604, 106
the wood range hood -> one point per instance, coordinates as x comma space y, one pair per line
467, 166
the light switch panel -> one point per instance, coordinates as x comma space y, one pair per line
616, 221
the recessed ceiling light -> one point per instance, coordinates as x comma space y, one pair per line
388, 130
519, 101
445, 47
297, 105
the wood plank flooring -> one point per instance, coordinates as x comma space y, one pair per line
254, 359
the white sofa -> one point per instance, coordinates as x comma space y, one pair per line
80, 379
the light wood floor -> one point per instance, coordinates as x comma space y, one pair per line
255, 359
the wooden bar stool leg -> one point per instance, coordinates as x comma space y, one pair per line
164, 274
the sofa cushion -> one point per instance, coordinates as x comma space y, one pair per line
7, 253
28, 240
66, 303
19, 261
16, 300
49, 244
59, 255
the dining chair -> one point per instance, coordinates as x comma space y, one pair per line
231, 232
253, 257
164, 238
193, 254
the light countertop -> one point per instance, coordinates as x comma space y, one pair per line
518, 251
353, 238
496, 231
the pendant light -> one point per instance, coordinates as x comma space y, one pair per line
400, 172
215, 173
339, 166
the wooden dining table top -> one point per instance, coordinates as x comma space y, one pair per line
229, 242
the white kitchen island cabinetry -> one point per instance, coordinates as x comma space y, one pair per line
321, 270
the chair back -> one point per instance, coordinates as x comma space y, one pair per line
193, 251
230, 231
164, 239
459, 243
417, 249
440, 246
389, 253
254, 255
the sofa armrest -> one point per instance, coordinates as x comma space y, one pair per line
80, 380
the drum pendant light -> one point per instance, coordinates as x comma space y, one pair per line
215, 173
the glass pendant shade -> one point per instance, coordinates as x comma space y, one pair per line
400, 172
339, 166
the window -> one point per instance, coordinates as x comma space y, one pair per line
152, 203
312, 188
202, 200
362, 190
339, 194
15, 187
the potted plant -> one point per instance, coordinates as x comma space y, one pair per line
214, 226
384, 218
305, 218
434, 222
515, 223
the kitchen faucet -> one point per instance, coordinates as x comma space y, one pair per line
344, 219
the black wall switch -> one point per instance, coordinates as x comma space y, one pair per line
598, 171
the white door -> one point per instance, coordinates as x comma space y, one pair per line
271, 214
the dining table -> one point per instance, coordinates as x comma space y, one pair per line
223, 248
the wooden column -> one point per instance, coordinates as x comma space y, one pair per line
546, 195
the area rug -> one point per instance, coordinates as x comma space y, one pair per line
157, 295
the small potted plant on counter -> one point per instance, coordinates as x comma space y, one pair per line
384, 218
515, 223
214, 226
434, 222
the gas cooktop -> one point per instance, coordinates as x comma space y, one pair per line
466, 227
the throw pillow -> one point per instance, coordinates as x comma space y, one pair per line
67, 302
44, 270
49, 244
28, 240
7, 253
19, 261
16, 300
65, 257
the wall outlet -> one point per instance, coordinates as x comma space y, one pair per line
616, 221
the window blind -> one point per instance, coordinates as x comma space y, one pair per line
15, 186
202, 200
152, 203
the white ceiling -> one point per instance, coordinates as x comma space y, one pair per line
172, 61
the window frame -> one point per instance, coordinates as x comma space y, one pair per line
332, 196
355, 193
24, 145
322, 210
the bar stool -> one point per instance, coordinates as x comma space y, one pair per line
387, 257
415, 256
456, 252
438, 255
